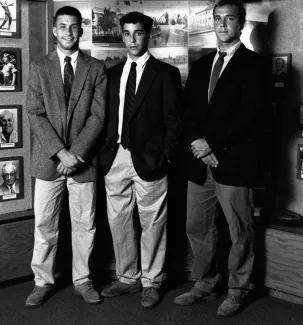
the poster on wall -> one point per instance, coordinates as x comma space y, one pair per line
200, 21
170, 28
86, 12
176, 56
10, 69
110, 56
10, 18
280, 69
11, 178
10, 126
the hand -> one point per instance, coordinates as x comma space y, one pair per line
200, 148
65, 171
211, 160
69, 160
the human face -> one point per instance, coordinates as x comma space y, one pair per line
9, 175
135, 40
7, 123
227, 27
68, 32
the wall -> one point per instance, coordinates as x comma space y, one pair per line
19, 98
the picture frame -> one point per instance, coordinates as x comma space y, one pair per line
300, 162
11, 178
10, 69
10, 20
11, 127
280, 70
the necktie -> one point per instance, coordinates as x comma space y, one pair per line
216, 73
130, 93
68, 78
12, 190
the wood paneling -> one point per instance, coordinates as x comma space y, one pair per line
16, 248
284, 261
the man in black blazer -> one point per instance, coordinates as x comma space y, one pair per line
222, 114
142, 128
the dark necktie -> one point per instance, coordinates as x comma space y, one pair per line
12, 190
130, 93
216, 73
68, 78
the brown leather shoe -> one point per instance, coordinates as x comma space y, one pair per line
150, 297
39, 296
118, 288
232, 304
194, 296
88, 293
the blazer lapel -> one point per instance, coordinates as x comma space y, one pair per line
57, 83
80, 76
147, 79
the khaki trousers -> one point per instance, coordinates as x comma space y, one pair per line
47, 206
237, 205
136, 260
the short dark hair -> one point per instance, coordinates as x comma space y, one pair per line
236, 3
135, 17
69, 11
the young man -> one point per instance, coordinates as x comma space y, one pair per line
224, 101
66, 109
142, 129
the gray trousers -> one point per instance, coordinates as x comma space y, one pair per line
237, 205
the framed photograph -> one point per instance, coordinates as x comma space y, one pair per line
280, 69
10, 69
11, 178
300, 162
10, 126
10, 18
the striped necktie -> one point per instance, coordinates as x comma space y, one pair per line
216, 73
130, 93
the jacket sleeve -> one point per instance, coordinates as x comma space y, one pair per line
172, 106
39, 123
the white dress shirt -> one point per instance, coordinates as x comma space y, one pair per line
73, 62
141, 63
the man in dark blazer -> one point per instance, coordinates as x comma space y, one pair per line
66, 110
142, 128
224, 98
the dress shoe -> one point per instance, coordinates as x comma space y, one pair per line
150, 297
119, 288
193, 296
88, 293
39, 296
232, 304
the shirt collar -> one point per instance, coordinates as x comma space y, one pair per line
73, 57
141, 61
231, 51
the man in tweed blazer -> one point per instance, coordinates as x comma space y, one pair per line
65, 127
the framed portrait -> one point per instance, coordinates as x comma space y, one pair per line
10, 126
10, 18
280, 69
300, 161
11, 178
10, 69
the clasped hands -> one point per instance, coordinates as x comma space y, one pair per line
69, 162
201, 150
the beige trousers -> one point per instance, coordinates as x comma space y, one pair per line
136, 259
47, 206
